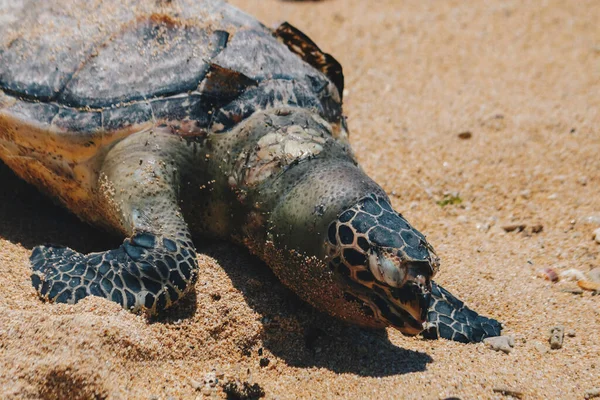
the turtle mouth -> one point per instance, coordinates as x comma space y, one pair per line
403, 308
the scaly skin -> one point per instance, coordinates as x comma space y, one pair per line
283, 186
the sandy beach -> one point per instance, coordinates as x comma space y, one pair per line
480, 119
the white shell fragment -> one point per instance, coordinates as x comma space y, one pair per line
500, 343
572, 274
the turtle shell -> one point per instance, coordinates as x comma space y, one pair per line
78, 75
87, 72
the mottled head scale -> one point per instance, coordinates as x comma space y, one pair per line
383, 263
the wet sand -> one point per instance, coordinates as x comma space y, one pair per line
522, 77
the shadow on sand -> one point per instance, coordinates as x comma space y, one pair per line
30, 218
292, 330
304, 337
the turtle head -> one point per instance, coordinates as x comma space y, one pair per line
382, 263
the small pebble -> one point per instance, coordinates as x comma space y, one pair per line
596, 235
514, 227
465, 135
590, 394
556, 337
507, 391
548, 274
571, 333
572, 274
540, 348
500, 343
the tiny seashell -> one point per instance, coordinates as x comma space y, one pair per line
573, 274
589, 285
549, 274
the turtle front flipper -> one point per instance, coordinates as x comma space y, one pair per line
449, 318
155, 265
146, 272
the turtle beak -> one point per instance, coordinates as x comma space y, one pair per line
419, 285
420, 306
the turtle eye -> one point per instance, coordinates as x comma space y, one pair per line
386, 270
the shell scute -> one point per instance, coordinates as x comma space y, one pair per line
43, 113
181, 109
112, 68
73, 120
156, 57
135, 114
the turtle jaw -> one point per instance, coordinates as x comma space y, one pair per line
400, 294
416, 309
421, 288
404, 308
414, 296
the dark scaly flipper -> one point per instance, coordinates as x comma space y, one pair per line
156, 265
145, 272
450, 319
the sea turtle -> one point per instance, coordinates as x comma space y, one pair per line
155, 119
